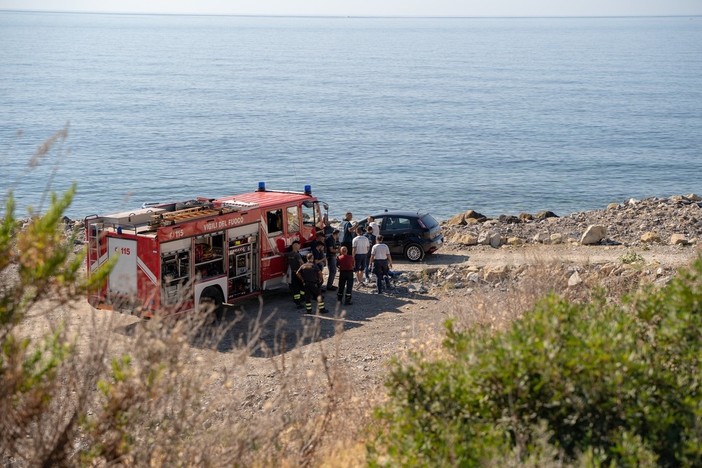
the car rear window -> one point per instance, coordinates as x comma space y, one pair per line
429, 221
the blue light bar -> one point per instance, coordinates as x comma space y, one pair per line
261, 186
308, 190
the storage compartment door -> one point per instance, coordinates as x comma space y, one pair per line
123, 278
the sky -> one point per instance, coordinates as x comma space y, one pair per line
451, 8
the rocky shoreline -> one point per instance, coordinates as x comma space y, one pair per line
676, 220
638, 234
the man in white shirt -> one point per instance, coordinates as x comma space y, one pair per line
374, 225
382, 262
360, 244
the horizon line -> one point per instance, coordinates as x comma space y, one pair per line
239, 15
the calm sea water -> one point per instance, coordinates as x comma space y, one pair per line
443, 115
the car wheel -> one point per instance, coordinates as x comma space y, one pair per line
414, 252
212, 300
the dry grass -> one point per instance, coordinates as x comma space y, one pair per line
145, 395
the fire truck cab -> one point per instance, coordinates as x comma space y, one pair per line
175, 257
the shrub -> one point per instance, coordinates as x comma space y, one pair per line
37, 264
607, 383
632, 258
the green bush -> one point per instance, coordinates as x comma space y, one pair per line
606, 383
37, 265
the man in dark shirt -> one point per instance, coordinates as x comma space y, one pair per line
347, 231
320, 256
311, 278
317, 249
332, 246
295, 261
371, 237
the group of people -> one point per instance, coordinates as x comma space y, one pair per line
351, 251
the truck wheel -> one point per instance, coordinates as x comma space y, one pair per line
414, 252
212, 300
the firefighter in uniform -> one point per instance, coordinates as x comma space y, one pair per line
312, 278
295, 261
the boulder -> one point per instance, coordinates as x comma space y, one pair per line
514, 241
458, 220
679, 239
650, 237
574, 279
594, 234
612, 206
541, 215
693, 197
541, 237
526, 216
509, 219
470, 214
556, 238
490, 238
473, 277
466, 239
495, 273
495, 240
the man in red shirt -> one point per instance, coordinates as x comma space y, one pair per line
345, 265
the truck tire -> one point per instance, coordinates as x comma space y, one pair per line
212, 300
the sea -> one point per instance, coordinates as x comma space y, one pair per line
441, 115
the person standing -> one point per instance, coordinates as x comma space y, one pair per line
360, 253
295, 261
317, 249
382, 262
371, 242
374, 225
346, 267
332, 246
347, 231
327, 228
311, 278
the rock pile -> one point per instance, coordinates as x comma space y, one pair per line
464, 279
676, 220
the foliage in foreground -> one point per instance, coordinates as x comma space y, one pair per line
583, 384
36, 263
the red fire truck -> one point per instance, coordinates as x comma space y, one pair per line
175, 257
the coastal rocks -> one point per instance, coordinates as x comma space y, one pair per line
464, 279
650, 237
594, 234
628, 223
556, 238
678, 239
468, 217
508, 219
490, 238
541, 215
514, 241
574, 280
466, 239
541, 237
